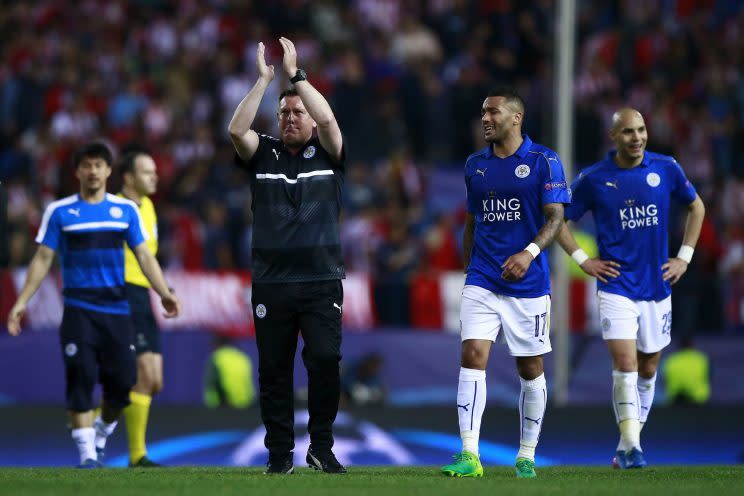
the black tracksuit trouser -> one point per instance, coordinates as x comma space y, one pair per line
281, 311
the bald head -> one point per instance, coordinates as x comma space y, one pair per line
624, 116
629, 135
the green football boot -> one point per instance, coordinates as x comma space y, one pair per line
466, 464
525, 468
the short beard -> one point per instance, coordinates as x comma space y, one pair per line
497, 138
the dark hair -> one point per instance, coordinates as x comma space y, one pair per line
289, 92
130, 154
510, 95
93, 150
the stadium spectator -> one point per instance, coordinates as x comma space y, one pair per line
396, 259
686, 374
361, 380
228, 376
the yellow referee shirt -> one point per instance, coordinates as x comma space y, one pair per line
132, 271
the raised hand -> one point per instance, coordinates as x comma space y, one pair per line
264, 71
601, 269
289, 62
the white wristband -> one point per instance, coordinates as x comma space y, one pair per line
685, 253
533, 249
579, 256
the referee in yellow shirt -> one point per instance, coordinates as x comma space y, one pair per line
139, 181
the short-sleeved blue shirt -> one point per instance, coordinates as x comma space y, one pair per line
90, 239
506, 197
631, 210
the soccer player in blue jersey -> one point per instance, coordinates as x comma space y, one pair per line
629, 195
89, 230
515, 195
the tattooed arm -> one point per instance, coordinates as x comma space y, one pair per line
553, 222
516, 265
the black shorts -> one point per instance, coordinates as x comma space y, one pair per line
146, 332
97, 344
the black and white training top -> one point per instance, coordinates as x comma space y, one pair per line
296, 202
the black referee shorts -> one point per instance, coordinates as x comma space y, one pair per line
97, 344
146, 332
282, 311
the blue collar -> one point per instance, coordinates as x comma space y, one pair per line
521, 151
645, 162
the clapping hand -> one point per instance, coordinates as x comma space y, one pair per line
289, 63
264, 71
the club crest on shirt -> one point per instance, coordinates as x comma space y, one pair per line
522, 171
261, 311
309, 152
653, 179
70, 349
116, 212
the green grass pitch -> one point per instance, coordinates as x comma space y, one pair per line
361, 481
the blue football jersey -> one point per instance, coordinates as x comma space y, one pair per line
506, 197
90, 239
631, 210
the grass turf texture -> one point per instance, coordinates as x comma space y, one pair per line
360, 481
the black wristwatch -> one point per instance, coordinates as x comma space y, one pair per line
300, 75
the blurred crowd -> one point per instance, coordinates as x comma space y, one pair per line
406, 80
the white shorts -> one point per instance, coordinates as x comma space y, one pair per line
522, 323
648, 322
